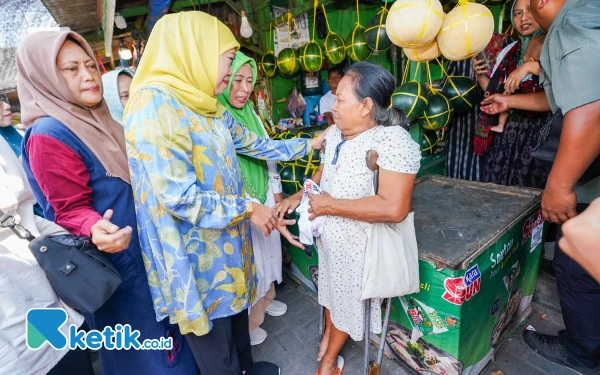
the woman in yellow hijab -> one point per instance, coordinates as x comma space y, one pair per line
190, 201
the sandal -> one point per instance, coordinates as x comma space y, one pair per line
340, 366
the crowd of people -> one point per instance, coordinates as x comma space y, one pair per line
170, 172
548, 69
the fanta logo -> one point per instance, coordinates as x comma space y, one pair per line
535, 220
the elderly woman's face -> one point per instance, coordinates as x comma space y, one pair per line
523, 19
80, 74
6, 119
347, 109
241, 87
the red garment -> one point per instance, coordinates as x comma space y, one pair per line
63, 179
494, 47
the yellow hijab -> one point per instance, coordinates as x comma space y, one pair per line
182, 55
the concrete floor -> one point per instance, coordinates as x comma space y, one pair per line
293, 338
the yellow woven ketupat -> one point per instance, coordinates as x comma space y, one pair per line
466, 31
426, 53
414, 23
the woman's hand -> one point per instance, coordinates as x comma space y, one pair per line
320, 205
479, 67
495, 104
318, 140
263, 217
108, 237
288, 205
282, 228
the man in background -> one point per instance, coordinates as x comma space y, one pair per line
326, 102
571, 78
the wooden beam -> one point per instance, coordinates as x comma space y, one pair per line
251, 47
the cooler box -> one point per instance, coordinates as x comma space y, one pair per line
480, 251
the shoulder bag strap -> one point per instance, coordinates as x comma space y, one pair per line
8, 221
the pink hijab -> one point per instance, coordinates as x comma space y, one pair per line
43, 92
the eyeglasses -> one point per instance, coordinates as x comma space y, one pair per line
4, 98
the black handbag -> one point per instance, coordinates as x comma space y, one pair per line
79, 273
547, 146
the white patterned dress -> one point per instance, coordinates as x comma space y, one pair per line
343, 242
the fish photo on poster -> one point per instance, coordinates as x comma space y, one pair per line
421, 356
505, 317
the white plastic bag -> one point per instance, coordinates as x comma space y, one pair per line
308, 229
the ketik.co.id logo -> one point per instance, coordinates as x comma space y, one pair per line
461, 289
44, 325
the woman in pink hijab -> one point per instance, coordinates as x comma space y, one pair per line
74, 156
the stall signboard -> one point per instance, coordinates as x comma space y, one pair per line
293, 36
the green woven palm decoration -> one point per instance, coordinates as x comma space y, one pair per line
375, 34
281, 165
335, 48
429, 142
462, 93
311, 160
438, 113
292, 178
311, 57
288, 62
356, 45
268, 64
411, 98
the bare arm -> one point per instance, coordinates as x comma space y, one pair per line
579, 146
514, 79
497, 103
391, 204
581, 239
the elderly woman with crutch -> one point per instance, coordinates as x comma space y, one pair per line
364, 121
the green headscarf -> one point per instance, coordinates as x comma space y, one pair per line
524, 39
254, 172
